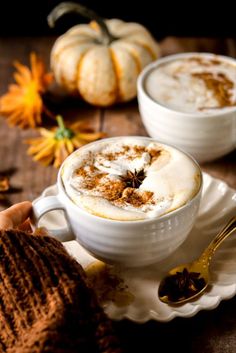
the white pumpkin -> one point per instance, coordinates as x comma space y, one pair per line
101, 62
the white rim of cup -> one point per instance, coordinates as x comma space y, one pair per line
145, 72
115, 221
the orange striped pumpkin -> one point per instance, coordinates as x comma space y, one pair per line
102, 65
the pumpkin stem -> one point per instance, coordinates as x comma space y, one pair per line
65, 7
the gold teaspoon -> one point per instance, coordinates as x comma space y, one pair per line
188, 281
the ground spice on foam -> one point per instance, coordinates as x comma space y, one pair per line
220, 85
91, 179
133, 197
116, 190
136, 152
112, 189
204, 62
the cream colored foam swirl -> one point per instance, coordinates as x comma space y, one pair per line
177, 85
172, 177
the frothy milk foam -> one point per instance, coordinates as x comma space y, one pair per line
194, 84
130, 179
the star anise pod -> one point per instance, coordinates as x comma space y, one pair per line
182, 285
134, 179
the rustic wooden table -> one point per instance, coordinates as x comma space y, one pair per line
213, 331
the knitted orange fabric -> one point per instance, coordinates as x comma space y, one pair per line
45, 303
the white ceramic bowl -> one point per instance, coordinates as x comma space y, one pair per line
204, 136
128, 243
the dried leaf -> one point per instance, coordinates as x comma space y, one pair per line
6, 188
4, 184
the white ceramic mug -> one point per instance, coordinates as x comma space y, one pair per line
128, 243
204, 136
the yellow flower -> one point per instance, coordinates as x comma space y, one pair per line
23, 104
56, 144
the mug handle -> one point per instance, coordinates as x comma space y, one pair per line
46, 204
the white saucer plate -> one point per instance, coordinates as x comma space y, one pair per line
218, 205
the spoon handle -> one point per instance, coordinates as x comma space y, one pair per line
221, 236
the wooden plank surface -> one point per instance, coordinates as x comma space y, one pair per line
124, 119
208, 332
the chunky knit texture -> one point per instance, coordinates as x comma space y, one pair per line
45, 303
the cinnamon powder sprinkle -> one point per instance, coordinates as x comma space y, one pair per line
154, 154
204, 62
111, 156
136, 152
139, 149
91, 179
133, 197
109, 189
108, 285
220, 85
116, 190
112, 190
